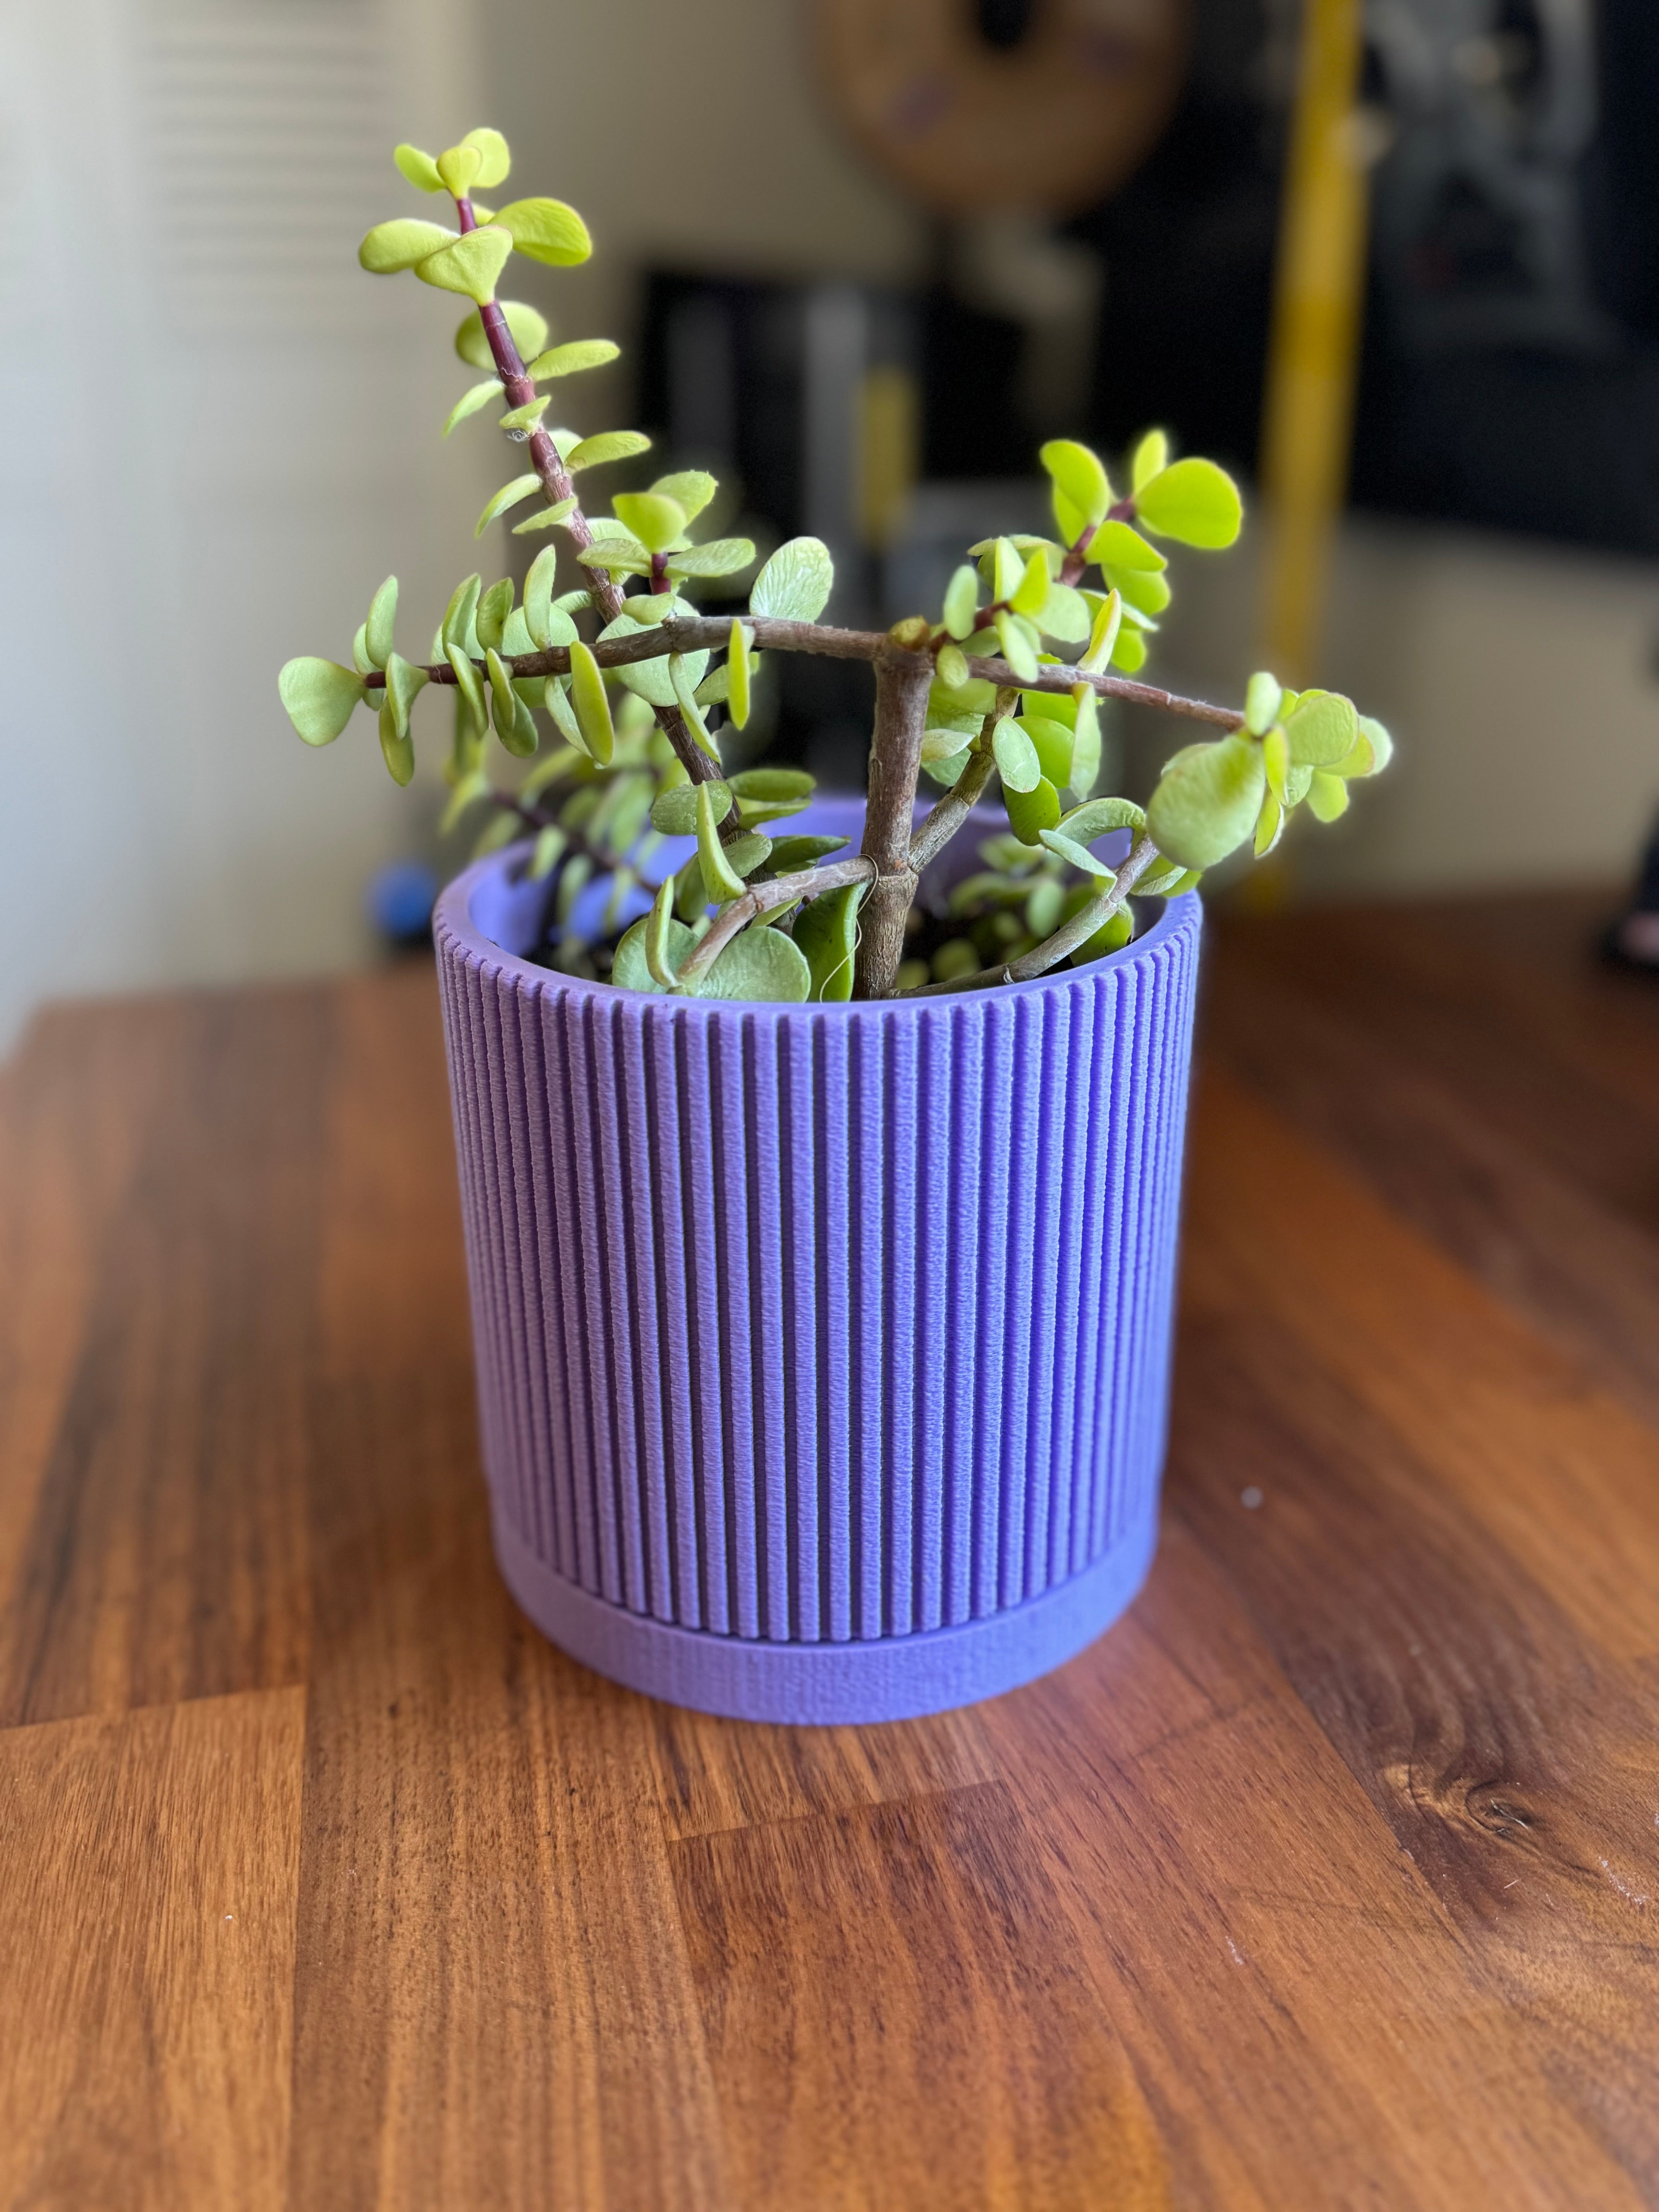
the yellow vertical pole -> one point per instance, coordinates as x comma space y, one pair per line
1311, 366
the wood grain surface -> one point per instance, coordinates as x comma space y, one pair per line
1329, 1878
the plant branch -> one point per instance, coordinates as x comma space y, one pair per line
765, 898
947, 815
1066, 939
903, 678
556, 484
705, 633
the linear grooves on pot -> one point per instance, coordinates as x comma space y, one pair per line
820, 1325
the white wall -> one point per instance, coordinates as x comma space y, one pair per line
216, 436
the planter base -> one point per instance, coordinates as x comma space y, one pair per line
889, 1679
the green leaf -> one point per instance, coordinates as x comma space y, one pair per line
1263, 696
631, 970
1142, 590
1032, 591
391, 246
467, 676
691, 488
760, 964
962, 601
1064, 613
608, 445
550, 843
458, 613
1269, 824
1118, 545
1007, 569
795, 584
509, 495
952, 667
556, 699
494, 607
571, 359
526, 417
826, 936
478, 396
718, 557
660, 923
1079, 474
1129, 653
1207, 801
458, 166
766, 794
1192, 501
1030, 812
1102, 632
622, 556
1276, 761
1016, 757
468, 266
593, 705
1167, 882
1017, 649
1086, 740
745, 853
360, 660
655, 520
319, 695
1327, 796
1372, 750
420, 169
1077, 855
1321, 729
403, 682
526, 325
504, 701
396, 746
546, 230
737, 676
1099, 817
716, 874
1151, 457
538, 587
1111, 937
790, 854
674, 812
561, 511
494, 160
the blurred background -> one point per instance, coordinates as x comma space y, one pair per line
863, 255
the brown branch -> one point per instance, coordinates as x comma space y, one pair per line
1066, 939
706, 633
556, 483
903, 678
765, 898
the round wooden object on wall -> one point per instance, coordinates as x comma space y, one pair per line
974, 106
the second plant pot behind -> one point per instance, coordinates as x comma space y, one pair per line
822, 1350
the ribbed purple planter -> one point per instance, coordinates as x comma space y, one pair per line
822, 1352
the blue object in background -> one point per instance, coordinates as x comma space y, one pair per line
400, 900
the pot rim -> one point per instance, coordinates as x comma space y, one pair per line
452, 919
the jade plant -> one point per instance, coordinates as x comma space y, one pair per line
996, 698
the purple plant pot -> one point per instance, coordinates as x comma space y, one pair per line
822, 1352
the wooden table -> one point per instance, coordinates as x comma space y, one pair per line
1329, 1879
